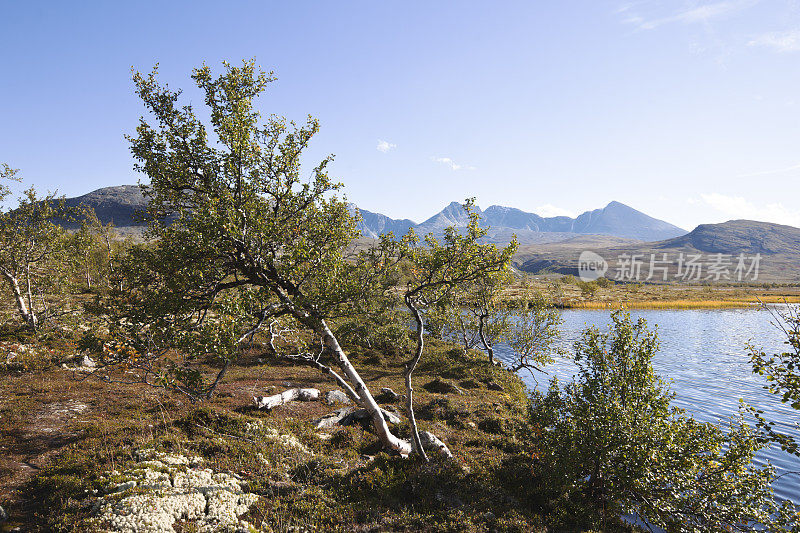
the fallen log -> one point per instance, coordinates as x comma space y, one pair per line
270, 402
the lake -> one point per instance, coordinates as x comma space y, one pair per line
704, 354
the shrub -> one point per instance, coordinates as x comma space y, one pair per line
588, 288
616, 446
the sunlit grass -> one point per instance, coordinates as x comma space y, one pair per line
680, 303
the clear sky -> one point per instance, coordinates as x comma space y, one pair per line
686, 110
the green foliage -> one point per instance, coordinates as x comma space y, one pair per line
782, 372
588, 288
614, 445
34, 254
95, 248
438, 272
239, 239
533, 331
377, 326
604, 282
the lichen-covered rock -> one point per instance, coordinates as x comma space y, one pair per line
162, 489
333, 419
431, 443
362, 415
336, 396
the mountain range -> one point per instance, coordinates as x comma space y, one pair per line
615, 219
548, 244
120, 204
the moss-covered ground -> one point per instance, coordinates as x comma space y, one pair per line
62, 432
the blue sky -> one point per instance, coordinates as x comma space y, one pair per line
686, 110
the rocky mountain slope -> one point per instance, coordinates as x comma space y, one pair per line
616, 219
114, 204
713, 248
121, 203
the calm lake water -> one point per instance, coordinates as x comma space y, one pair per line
704, 354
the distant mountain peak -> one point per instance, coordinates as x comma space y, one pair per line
119, 204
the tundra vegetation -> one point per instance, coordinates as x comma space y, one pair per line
248, 283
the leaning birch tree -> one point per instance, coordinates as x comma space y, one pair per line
240, 238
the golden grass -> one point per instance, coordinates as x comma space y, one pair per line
681, 303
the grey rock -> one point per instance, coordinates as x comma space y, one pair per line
442, 386
431, 443
387, 395
361, 415
3, 515
124, 486
333, 419
336, 396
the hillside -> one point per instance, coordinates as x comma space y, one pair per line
741, 236
114, 204
778, 247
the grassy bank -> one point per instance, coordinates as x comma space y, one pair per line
571, 293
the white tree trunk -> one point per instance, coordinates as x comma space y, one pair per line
270, 402
320, 327
386, 437
24, 310
33, 319
486, 345
410, 366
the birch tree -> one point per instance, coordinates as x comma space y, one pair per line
30, 246
250, 240
439, 270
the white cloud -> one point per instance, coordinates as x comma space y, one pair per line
738, 207
548, 210
385, 146
694, 15
780, 41
452, 164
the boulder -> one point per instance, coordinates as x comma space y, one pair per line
333, 419
387, 395
336, 396
362, 415
432, 444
